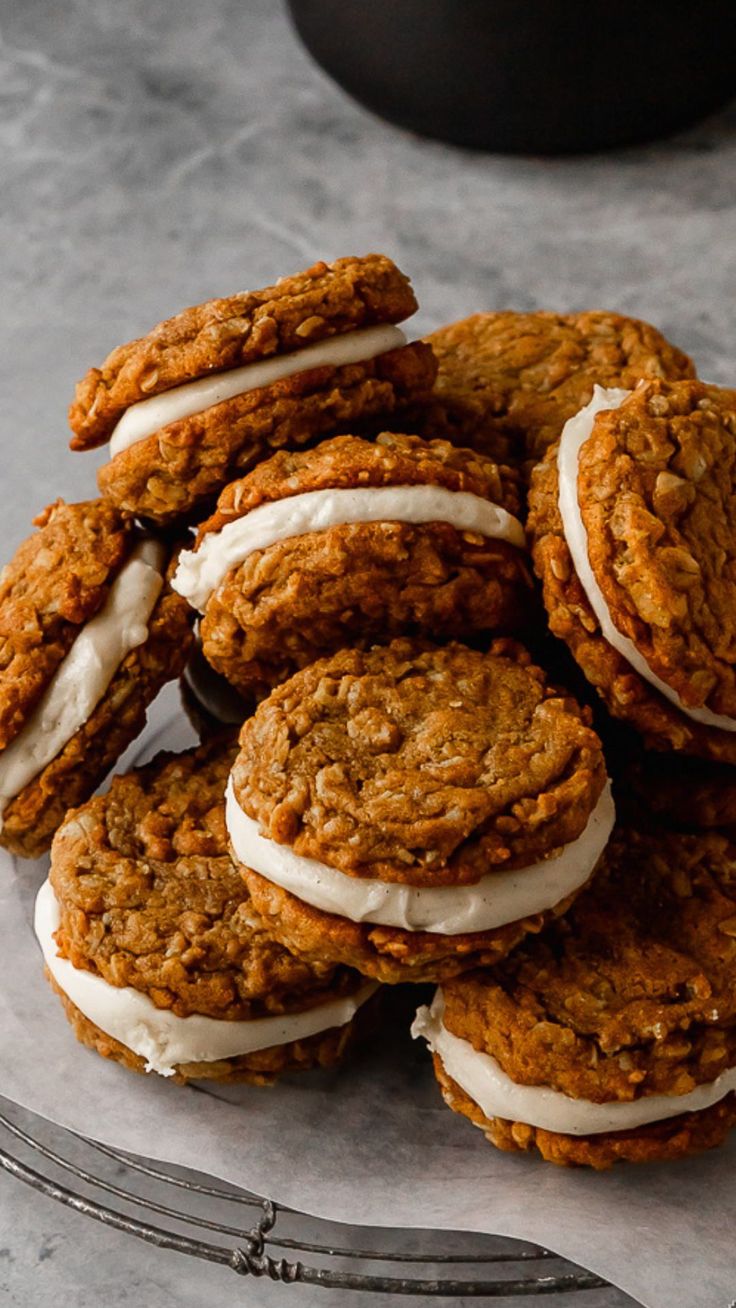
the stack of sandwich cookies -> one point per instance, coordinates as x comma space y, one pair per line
507, 382
633, 522
613, 1035
394, 810
352, 542
413, 811
151, 941
89, 632
208, 393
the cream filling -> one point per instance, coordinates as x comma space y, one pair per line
149, 416
201, 571
83, 676
574, 435
159, 1036
491, 902
483, 1079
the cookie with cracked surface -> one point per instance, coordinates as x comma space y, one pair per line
412, 810
90, 631
613, 1034
507, 382
353, 542
208, 393
153, 944
632, 520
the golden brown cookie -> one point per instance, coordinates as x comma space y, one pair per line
89, 633
353, 542
208, 393
413, 810
653, 496
613, 1034
157, 952
507, 382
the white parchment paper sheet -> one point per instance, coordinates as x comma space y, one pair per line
371, 1144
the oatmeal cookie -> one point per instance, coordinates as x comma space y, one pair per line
615, 1030
152, 924
412, 809
358, 541
507, 382
90, 631
58, 579
652, 520
208, 393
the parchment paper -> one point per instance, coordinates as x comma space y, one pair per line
370, 1144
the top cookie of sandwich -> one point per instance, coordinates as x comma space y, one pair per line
420, 765
56, 581
510, 379
207, 392
657, 493
634, 521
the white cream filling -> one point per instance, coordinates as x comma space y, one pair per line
159, 1036
149, 416
493, 901
483, 1079
574, 435
83, 676
200, 571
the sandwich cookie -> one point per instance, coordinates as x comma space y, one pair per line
612, 1035
507, 382
89, 633
151, 941
633, 519
414, 811
208, 393
354, 542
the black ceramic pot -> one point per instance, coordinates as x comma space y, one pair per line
540, 76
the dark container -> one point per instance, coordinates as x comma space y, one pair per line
529, 76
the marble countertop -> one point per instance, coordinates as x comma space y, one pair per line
155, 155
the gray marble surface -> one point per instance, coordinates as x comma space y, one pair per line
153, 154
